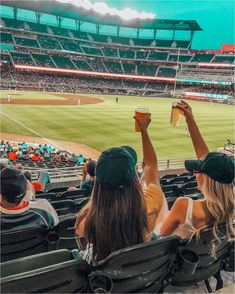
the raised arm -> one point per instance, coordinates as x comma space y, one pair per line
151, 175
199, 143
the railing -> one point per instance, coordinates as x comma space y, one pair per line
172, 163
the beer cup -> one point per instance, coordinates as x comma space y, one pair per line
140, 114
176, 115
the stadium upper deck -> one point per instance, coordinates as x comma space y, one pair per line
28, 45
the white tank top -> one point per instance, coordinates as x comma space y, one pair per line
186, 230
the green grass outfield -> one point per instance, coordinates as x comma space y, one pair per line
109, 124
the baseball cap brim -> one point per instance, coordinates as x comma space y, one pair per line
193, 166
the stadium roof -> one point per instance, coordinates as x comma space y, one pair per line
71, 11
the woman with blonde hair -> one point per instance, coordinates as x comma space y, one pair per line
214, 174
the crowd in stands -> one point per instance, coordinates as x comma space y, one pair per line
37, 153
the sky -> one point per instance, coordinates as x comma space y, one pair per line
216, 18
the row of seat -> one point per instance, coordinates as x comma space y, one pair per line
145, 268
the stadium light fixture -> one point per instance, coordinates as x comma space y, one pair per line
102, 8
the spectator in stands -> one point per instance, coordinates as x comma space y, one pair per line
36, 157
73, 158
215, 174
25, 155
87, 184
17, 213
12, 156
119, 213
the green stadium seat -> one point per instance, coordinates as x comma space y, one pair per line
129, 68
208, 266
6, 38
158, 56
22, 58
224, 58
141, 54
23, 243
26, 42
63, 62
202, 57
51, 272
141, 268
166, 72
43, 60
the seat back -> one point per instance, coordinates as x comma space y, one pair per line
53, 272
23, 243
47, 196
141, 268
208, 265
63, 206
66, 233
58, 190
73, 194
173, 188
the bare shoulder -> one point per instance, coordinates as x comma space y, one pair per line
181, 202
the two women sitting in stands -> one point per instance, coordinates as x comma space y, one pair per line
121, 213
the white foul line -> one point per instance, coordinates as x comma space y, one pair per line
31, 130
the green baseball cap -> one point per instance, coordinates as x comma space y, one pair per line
217, 166
116, 166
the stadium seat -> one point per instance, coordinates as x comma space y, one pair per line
170, 176
191, 190
65, 231
191, 184
51, 272
141, 268
58, 190
80, 202
171, 201
208, 266
178, 180
172, 188
47, 196
73, 194
23, 243
63, 206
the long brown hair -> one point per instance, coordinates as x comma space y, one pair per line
116, 218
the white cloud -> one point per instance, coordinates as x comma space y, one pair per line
103, 9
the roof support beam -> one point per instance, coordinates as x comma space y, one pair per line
78, 24
191, 39
98, 26
138, 33
154, 33
59, 20
118, 31
38, 16
15, 12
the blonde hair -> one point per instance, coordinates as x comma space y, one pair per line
220, 202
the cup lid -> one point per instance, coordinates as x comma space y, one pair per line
140, 109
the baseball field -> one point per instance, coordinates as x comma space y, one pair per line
99, 122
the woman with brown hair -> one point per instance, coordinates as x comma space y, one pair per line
120, 213
214, 174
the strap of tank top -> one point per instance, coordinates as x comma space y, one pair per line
189, 214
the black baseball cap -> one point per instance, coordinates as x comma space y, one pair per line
216, 165
116, 166
13, 184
